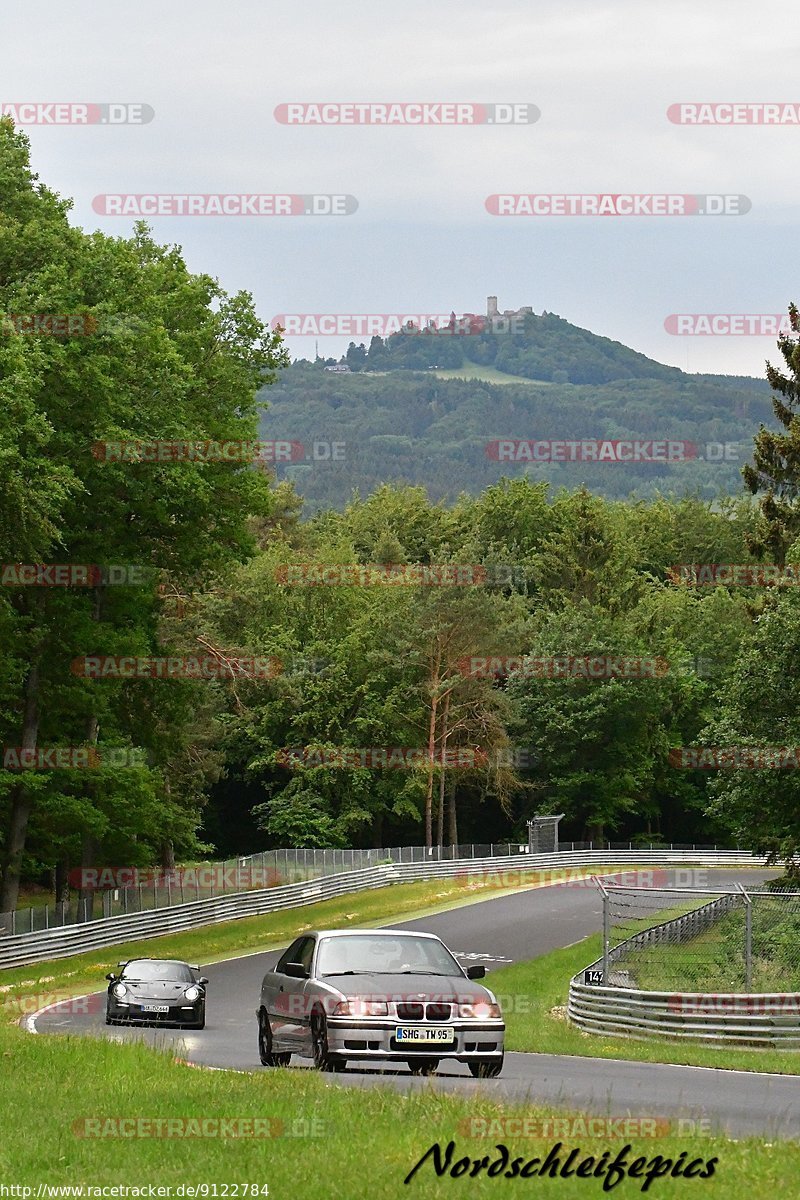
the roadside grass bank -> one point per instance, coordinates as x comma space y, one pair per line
534, 996
212, 943
85, 1111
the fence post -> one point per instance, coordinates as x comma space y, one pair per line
748, 938
606, 927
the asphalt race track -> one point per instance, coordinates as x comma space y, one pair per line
510, 928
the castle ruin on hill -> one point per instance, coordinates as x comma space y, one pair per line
493, 312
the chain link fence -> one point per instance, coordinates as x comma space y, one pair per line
701, 939
116, 891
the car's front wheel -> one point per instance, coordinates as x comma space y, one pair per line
423, 1066
200, 1023
265, 1051
487, 1068
323, 1059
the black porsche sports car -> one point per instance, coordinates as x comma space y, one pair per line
156, 991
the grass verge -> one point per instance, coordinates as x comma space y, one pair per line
324, 1142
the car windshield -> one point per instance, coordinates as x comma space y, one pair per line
145, 971
366, 954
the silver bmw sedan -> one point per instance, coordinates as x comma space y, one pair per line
368, 995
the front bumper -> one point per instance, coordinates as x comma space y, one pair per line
375, 1038
134, 1014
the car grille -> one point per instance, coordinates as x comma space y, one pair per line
424, 1012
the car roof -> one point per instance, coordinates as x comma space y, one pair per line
167, 962
392, 933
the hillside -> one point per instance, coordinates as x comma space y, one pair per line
404, 414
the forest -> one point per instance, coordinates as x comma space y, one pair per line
196, 662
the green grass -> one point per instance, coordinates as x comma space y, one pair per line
485, 375
326, 1143
534, 997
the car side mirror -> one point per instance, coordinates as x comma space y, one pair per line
110, 977
202, 979
476, 972
295, 971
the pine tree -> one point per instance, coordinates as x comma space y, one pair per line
776, 456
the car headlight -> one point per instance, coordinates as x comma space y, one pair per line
192, 993
361, 1008
481, 1010
119, 990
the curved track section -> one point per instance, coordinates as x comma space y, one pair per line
499, 931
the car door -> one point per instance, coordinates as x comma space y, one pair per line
287, 1004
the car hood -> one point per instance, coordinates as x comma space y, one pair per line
158, 990
408, 988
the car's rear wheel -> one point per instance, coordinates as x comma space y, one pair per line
423, 1066
487, 1068
323, 1059
265, 1051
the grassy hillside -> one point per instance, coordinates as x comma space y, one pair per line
422, 428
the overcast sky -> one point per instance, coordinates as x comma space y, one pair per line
602, 73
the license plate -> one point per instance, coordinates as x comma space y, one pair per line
441, 1035
155, 1008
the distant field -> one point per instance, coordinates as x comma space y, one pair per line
485, 375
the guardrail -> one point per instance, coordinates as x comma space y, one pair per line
24, 949
753, 1018
122, 891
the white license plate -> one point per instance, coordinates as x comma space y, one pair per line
441, 1035
155, 1008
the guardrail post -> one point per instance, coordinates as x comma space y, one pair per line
748, 939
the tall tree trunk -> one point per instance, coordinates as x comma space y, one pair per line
21, 801
440, 814
431, 753
86, 895
61, 881
88, 842
451, 813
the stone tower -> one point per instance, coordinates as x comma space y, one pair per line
491, 306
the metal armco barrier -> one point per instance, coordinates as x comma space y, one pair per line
768, 1019
23, 949
755, 1018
